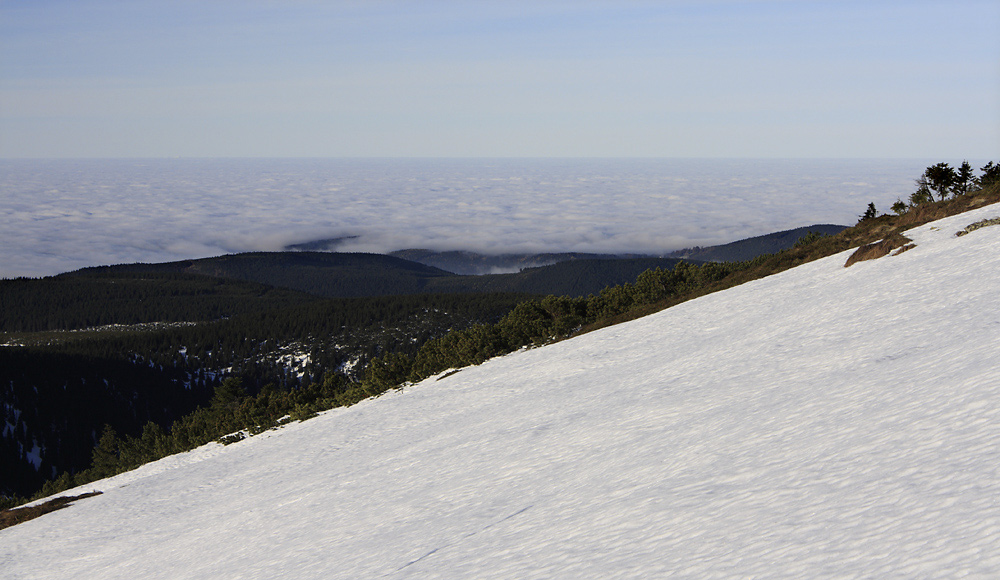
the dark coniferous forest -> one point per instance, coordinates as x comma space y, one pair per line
60, 388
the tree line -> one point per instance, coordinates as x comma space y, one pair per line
57, 397
74, 301
234, 411
946, 181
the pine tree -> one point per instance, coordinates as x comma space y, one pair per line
963, 180
105, 455
922, 195
991, 174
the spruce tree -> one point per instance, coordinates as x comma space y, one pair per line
941, 178
963, 180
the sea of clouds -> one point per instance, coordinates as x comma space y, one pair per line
61, 215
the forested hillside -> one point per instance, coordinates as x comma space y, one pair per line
102, 297
353, 275
462, 262
62, 388
576, 278
758, 245
56, 403
320, 273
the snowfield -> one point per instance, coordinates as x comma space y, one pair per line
826, 422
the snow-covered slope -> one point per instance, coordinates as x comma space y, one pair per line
827, 422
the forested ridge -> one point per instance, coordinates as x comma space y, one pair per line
134, 344
259, 394
55, 405
360, 275
102, 298
576, 278
749, 248
466, 262
320, 273
60, 390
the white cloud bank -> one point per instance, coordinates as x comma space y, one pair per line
61, 215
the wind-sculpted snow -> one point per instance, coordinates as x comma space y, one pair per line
62, 215
826, 422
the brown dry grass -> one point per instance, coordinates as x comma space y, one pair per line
14, 516
864, 233
878, 249
888, 228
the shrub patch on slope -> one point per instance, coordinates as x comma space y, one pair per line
880, 248
15, 516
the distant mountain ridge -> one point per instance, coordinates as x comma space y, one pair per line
344, 275
472, 263
324, 274
464, 262
154, 290
750, 248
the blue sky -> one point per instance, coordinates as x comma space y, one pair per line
300, 78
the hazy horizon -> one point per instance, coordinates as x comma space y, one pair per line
64, 215
711, 121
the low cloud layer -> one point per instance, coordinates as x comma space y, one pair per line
60, 215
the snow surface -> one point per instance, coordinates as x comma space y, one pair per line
826, 422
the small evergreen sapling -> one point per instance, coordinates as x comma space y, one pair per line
870, 213
991, 174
